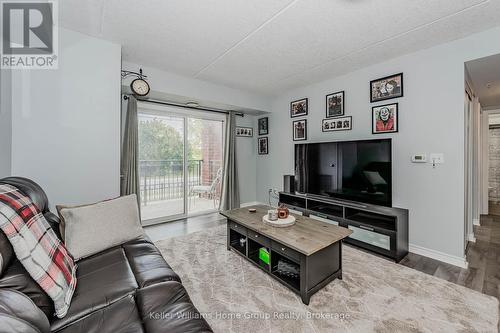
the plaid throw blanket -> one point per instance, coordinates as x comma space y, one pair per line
37, 247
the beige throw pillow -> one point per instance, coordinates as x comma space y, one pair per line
90, 229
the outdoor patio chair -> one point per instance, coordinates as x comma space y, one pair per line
210, 190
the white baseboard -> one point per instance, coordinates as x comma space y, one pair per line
452, 260
252, 203
476, 222
471, 238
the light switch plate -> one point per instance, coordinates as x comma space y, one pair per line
437, 158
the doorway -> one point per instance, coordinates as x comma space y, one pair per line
482, 82
180, 162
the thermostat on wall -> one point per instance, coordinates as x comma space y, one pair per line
419, 158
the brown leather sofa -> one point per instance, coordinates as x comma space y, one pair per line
127, 288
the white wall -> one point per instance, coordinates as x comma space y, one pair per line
493, 116
5, 123
431, 116
66, 122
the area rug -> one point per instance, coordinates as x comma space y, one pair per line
375, 295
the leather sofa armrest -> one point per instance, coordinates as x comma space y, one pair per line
20, 315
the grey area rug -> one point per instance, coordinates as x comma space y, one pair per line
375, 295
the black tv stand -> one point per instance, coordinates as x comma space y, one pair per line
383, 230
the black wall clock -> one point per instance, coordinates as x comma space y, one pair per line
140, 87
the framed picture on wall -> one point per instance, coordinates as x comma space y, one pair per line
244, 131
263, 146
337, 124
386, 88
300, 130
385, 118
335, 104
263, 126
298, 108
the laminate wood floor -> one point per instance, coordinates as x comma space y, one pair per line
184, 226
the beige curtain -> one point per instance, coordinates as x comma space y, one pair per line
230, 190
130, 152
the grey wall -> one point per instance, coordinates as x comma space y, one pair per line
431, 120
66, 122
5, 123
246, 159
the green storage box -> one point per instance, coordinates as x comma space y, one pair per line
264, 255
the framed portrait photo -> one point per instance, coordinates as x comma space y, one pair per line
337, 124
263, 146
300, 130
298, 108
263, 126
385, 119
386, 88
335, 104
244, 131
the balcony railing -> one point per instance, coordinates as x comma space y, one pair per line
164, 179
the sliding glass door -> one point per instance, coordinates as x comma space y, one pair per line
205, 151
161, 165
180, 163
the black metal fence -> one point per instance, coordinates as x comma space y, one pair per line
164, 179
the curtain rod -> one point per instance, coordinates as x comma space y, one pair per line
125, 96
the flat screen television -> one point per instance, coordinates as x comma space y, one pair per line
350, 170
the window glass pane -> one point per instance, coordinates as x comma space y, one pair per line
161, 165
205, 154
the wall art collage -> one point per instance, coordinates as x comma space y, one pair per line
384, 117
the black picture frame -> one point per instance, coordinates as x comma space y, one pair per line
328, 115
306, 111
239, 133
260, 124
305, 130
396, 117
266, 140
336, 120
390, 96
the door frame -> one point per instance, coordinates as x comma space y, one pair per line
468, 147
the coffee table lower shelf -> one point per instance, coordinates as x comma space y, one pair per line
314, 271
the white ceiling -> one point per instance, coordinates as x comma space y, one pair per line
269, 46
485, 76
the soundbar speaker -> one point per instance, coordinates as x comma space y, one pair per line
289, 184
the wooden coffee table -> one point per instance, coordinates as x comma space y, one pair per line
313, 249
